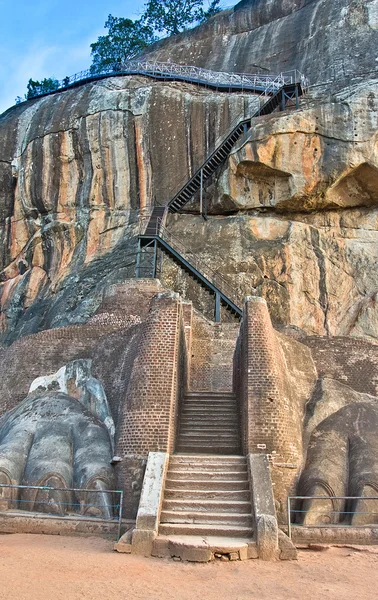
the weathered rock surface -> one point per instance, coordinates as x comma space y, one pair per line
74, 170
325, 40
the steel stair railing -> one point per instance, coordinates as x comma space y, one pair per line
217, 284
154, 235
219, 80
220, 154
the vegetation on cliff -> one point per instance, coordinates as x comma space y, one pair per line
127, 38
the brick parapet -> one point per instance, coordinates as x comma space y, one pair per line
211, 354
269, 425
150, 407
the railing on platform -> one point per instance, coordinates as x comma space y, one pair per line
217, 79
78, 503
342, 512
222, 283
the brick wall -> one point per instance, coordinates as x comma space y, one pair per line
138, 344
109, 339
211, 355
270, 422
149, 418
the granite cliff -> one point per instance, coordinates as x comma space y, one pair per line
293, 213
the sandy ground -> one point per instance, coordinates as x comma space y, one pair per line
35, 567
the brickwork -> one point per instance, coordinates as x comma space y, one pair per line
150, 410
112, 330
148, 418
269, 425
352, 361
212, 351
128, 303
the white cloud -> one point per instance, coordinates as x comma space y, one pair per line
40, 62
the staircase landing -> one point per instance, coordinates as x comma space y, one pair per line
206, 511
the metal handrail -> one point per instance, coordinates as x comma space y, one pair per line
219, 79
222, 283
118, 506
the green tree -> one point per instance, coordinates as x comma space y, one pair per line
174, 16
125, 39
35, 88
214, 8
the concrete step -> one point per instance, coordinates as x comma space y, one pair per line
212, 442
201, 549
211, 461
236, 531
214, 414
209, 410
208, 469
208, 449
201, 404
227, 506
230, 419
223, 436
210, 427
189, 494
207, 475
205, 400
216, 430
209, 518
205, 394
206, 484
203, 418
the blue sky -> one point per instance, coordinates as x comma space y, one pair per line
41, 38
44, 38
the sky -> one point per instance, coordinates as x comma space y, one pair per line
51, 38
44, 38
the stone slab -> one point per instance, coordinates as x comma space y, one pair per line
152, 491
194, 548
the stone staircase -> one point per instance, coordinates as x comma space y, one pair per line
209, 423
207, 495
206, 510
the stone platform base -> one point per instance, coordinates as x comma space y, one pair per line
204, 549
26, 522
335, 535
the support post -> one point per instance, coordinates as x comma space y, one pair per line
137, 266
296, 96
154, 263
201, 194
283, 100
217, 308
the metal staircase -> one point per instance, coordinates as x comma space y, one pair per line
287, 95
155, 236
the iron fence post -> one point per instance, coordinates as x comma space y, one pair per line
288, 517
201, 193
154, 263
217, 308
120, 514
139, 252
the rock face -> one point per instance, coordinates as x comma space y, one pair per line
325, 40
75, 170
293, 218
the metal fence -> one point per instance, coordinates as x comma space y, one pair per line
72, 503
345, 510
168, 70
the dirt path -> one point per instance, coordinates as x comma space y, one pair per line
34, 567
